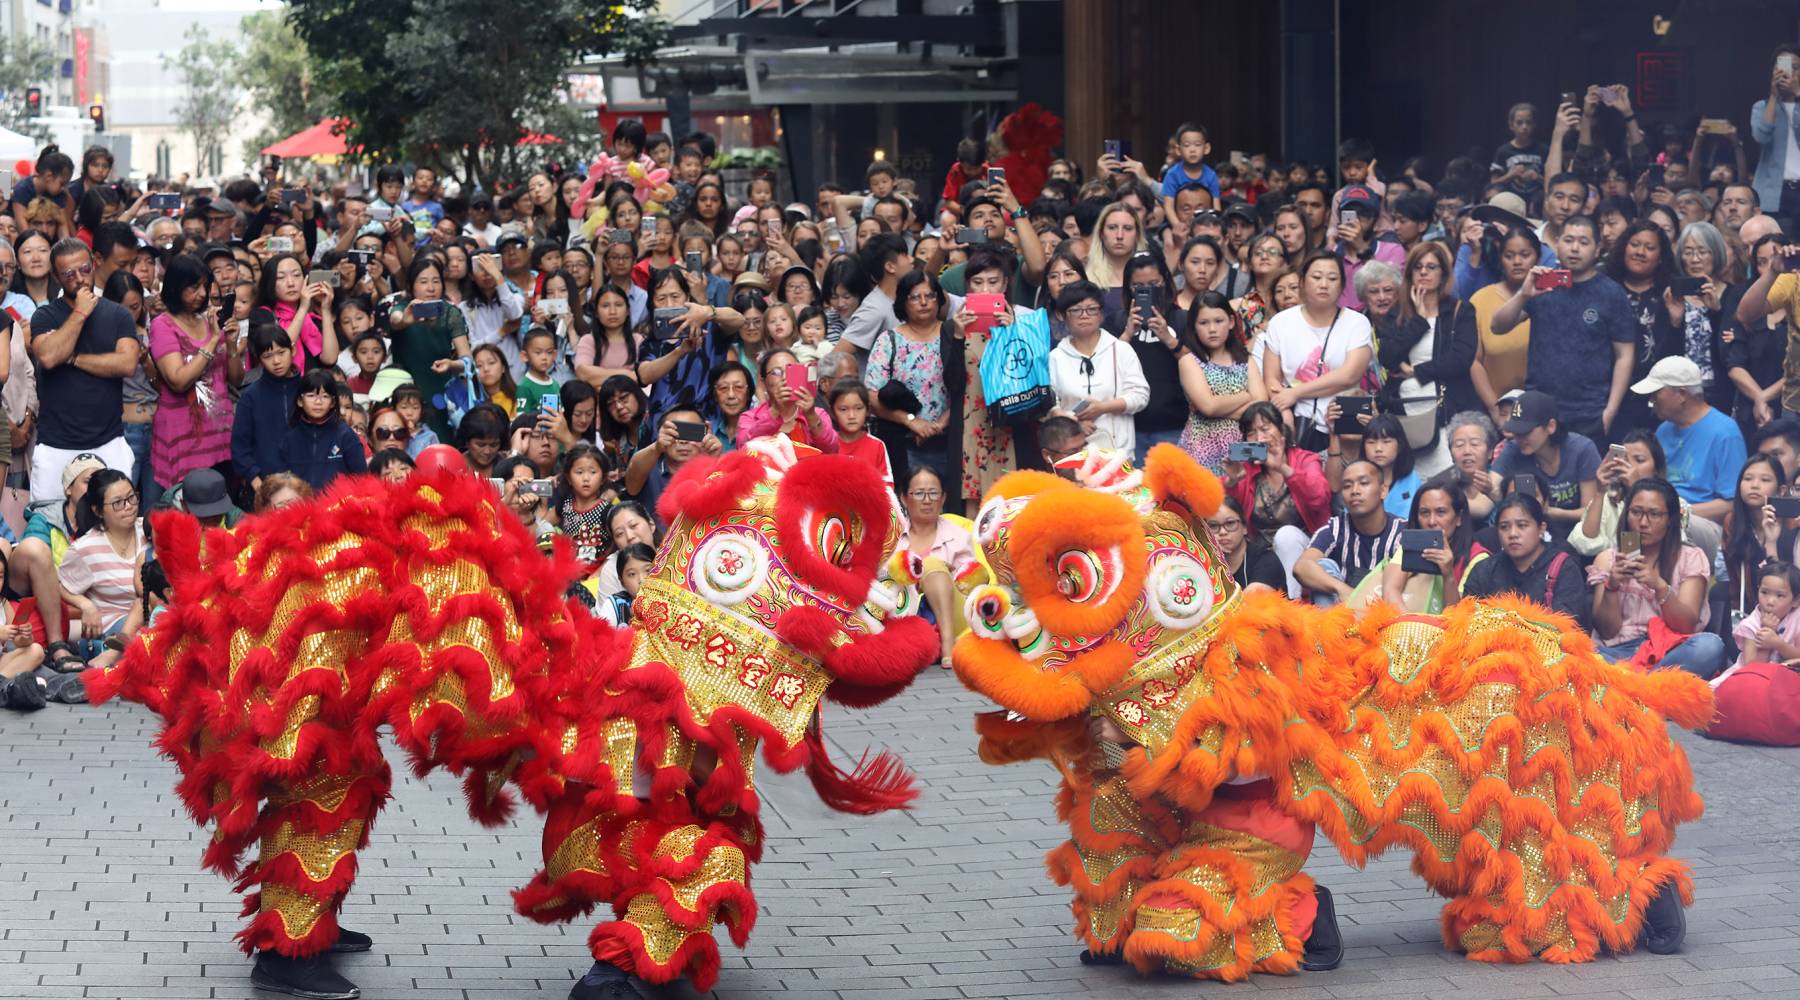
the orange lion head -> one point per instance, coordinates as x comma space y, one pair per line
1091, 569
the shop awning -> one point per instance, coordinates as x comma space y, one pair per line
323, 139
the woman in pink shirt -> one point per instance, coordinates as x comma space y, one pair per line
196, 363
786, 409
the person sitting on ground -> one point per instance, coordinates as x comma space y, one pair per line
1539, 443
1440, 505
1638, 456
1251, 563
31, 569
1705, 448
1649, 589
1530, 565
1351, 543
98, 573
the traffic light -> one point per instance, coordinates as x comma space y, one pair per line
98, 114
34, 101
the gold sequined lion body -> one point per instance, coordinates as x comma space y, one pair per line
427, 608
1204, 734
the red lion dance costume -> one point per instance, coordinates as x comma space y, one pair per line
1203, 735
426, 607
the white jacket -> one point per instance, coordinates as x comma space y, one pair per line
1116, 374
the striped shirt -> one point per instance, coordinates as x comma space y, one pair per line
92, 569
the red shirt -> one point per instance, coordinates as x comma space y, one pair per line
956, 178
868, 448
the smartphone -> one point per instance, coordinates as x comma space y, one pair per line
1715, 126
1557, 278
1247, 451
324, 276
1413, 543
544, 488
1571, 97
227, 306
381, 213
996, 174
1629, 543
281, 244
694, 260
554, 307
360, 257
1142, 304
499, 485
1114, 149
1526, 484
1683, 287
290, 196
689, 430
1785, 507
1080, 406
1658, 176
1791, 262
798, 377
1785, 62
647, 227
620, 237
428, 309
1349, 408
550, 403
969, 236
667, 323
165, 202
1347, 217
1615, 451
986, 304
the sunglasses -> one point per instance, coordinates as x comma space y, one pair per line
390, 434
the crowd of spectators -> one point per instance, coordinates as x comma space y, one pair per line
1560, 371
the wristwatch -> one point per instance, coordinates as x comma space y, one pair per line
1019, 213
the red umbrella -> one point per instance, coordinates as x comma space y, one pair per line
323, 139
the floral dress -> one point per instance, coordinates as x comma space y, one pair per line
987, 451
919, 367
1208, 438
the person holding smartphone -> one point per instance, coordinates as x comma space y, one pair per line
1582, 335
1442, 570
430, 338
1649, 589
788, 408
1353, 233
1775, 125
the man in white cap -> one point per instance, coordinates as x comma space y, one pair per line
1704, 447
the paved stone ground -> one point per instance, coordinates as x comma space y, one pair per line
101, 894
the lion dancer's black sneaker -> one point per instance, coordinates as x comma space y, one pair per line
605, 981
1324, 947
312, 978
1088, 957
350, 942
1665, 922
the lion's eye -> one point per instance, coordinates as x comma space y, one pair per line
833, 537
1079, 575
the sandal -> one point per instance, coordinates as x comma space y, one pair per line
64, 658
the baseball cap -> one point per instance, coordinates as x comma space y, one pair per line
79, 466
1240, 210
1669, 373
216, 250
1531, 410
1503, 207
203, 493
1360, 194
511, 238
1207, 217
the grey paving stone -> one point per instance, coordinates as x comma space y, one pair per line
949, 899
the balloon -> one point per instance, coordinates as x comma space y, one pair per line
23, 168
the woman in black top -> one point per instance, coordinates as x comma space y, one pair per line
1429, 307
1643, 263
1251, 563
1530, 566
1157, 345
1754, 354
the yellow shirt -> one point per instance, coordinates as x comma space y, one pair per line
1785, 294
505, 402
1505, 352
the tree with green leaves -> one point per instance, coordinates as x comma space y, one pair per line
457, 83
25, 62
276, 70
210, 92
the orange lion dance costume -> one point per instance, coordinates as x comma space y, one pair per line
1204, 734
427, 607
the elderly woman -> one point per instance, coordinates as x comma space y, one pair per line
1472, 440
1377, 284
1698, 316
